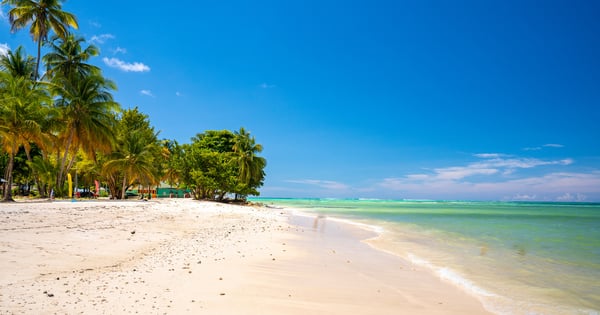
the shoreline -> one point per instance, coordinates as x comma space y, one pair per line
507, 274
183, 256
376, 242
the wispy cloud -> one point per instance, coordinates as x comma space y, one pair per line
147, 93
548, 145
326, 184
496, 178
491, 164
95, 24
124, 66
267, 86
119, 50
3, 16
4, 49
178, 94
488, 155
571, 197
553, 145
553, 186
101, 39
532, 148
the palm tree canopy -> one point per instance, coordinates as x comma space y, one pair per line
21, 112
68, 58
20, 116
250, 165
17, 64
44, 15
135, 158
87, 109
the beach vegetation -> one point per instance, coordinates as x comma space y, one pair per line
135, 157
211, 165
43, 16
21, 113
67, 121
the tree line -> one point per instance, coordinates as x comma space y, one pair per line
66, 121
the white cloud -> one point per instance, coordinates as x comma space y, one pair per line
553, 145
554, 186
4, 49
453, 173
124, 66
548, 145
490, 165
267, 86
524, 197
571, 197
497, 178
488, 155
119, 50
147, 93
3, 16
560, 186
518, 163
178, 94
101, 39
327, 184
95, 24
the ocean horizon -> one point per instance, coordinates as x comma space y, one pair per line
517, 257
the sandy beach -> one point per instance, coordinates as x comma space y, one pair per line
180, 256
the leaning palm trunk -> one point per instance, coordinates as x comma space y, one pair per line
62, 170
36, 178
8, 175
124, 186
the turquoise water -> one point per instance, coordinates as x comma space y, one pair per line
516, 257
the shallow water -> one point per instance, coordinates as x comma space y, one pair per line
517, 257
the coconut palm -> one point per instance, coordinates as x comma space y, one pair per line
44, 16
87, 113
46, 172
135, 159
170, 152
20, 116
250, 165
68, 58
17, 64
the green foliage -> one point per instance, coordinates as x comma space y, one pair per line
212, 167
68, 122
44, 16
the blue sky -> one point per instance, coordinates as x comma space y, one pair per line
492, 100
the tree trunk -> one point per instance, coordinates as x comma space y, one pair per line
37, 66
61, 172
8, 175
124, 186
36, 179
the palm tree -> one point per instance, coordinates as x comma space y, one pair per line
68, 58
170, 151
250, 165
46, 172
44, 16
17, 64
135, 159
20, 116
87, 113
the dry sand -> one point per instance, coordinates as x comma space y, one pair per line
180, 256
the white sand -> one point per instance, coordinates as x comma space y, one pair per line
187, 257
